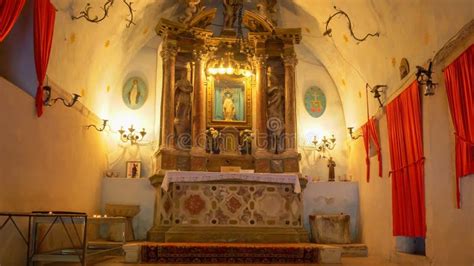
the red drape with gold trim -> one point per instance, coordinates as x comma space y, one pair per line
9, 12
459, 78
407, 162
44, 16
369, 132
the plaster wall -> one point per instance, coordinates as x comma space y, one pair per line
47, 163
17, 53
310, 72
450, 238
143, 65
404, 30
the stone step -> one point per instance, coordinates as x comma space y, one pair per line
353, 250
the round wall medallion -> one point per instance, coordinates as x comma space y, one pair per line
315, 101
134, 93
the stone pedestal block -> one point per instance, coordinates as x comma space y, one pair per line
330, 255
132, 252
127, 211
330, 229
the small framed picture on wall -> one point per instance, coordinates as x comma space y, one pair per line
133, 169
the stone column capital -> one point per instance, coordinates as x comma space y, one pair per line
290, 60
169, 52
260, 60
200, 55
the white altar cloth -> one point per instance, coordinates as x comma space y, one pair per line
190, 176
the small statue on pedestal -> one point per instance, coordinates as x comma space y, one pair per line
331, 166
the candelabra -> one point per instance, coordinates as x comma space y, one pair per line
351, 131
50, 102
324, 144
104, 124
423, 76
131, 135
377, 90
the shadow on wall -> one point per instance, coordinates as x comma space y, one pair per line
17, 59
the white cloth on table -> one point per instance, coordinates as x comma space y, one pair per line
190, 176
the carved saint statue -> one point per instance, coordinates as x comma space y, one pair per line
228, 107
192, 8
182, 90
231, 9
331, 166
268, 9
275, 113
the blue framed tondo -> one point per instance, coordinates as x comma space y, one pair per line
134, 93
315, 101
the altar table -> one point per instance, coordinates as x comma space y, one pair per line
228, 207
191, 176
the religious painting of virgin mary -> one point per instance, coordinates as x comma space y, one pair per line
229, 100
134, 93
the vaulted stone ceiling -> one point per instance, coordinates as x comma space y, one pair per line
90, 58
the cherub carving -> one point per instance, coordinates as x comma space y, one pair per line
268, 9
192, 8
231, 8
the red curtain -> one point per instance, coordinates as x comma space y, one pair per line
407, 162
369, 132
44, 16
459, 78
9, 12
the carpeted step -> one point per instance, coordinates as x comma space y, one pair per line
228, 253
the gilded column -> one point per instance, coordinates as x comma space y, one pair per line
199, 105
167, 99
290, 62
261, 112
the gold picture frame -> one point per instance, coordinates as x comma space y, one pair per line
229, 101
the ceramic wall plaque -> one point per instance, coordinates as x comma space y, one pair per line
315, 101
134, 93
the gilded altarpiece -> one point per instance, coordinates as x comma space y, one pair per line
228, 99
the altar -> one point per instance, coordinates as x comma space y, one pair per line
228, 207
228, 100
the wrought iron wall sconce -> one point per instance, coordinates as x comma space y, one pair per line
131, 135
104, 124
351, 131
423, 76
107, 5
377, 90
328, 31
47, 101
324, 144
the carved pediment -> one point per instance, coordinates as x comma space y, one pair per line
256, 22
166, 26
203, 18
